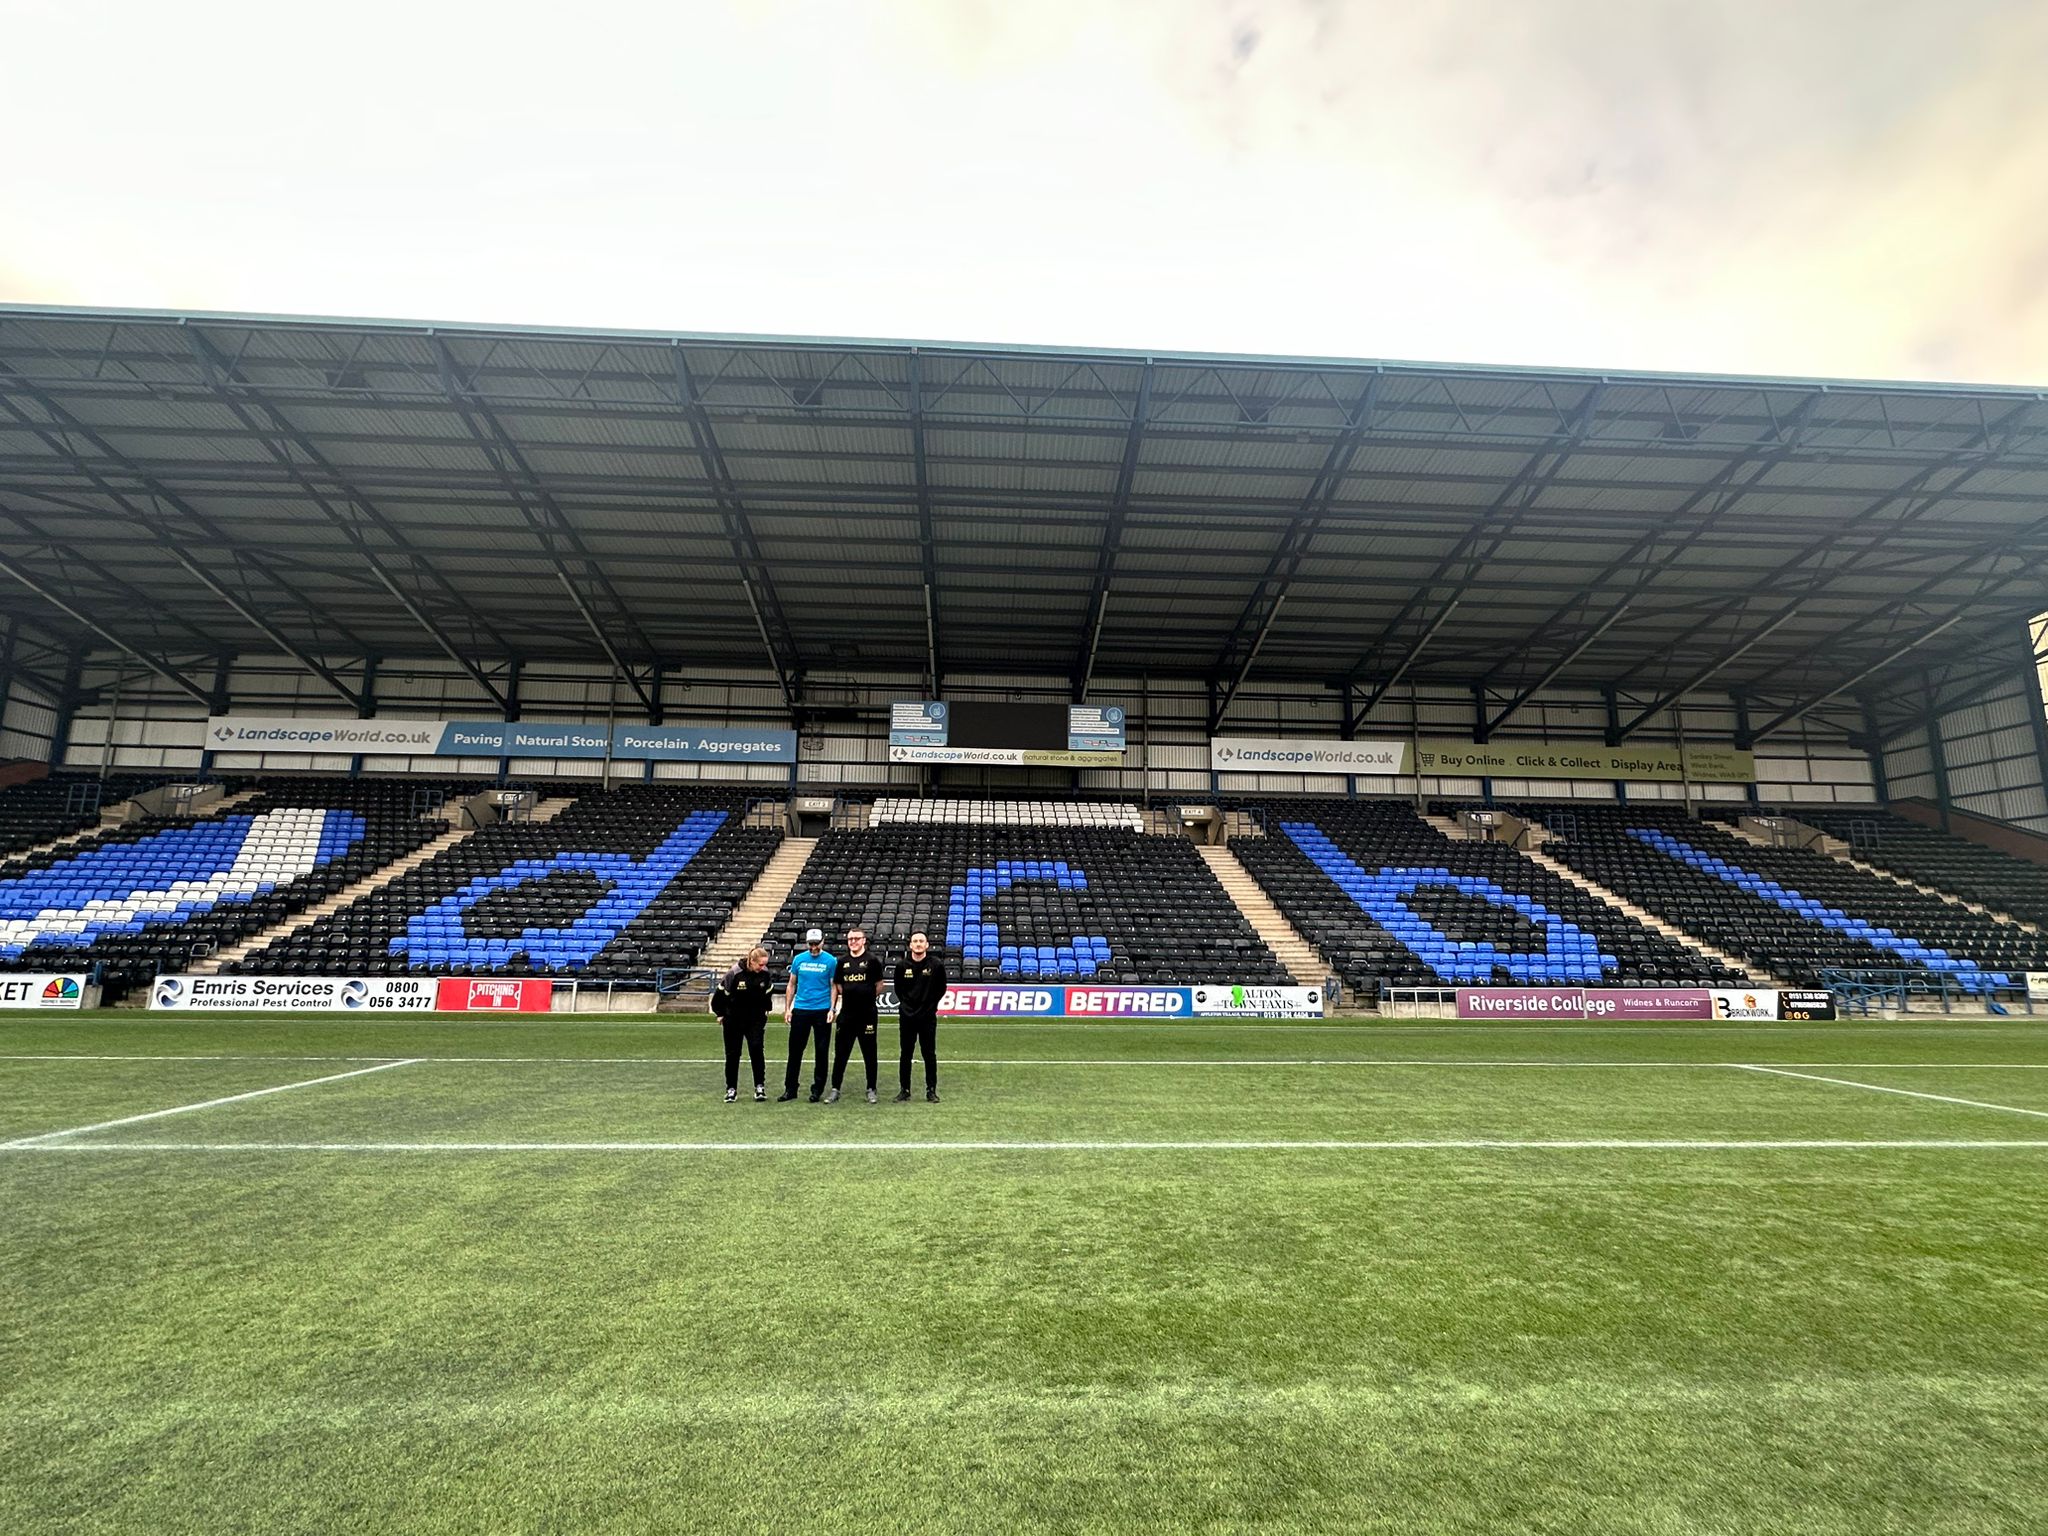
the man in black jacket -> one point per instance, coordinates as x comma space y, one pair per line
741, 1003
920, 984
860, 977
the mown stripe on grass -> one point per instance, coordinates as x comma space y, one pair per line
1433, 1144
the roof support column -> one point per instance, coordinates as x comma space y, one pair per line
512, 671
67, 707
366, 707
2037, 711
7, 664
1873, 744
1743, 740
926, 552
1937, 751
1612, 701
218, 698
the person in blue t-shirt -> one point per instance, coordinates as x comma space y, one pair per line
808, 1009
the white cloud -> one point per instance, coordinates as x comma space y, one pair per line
1824, 188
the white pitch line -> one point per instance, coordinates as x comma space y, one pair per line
1908, 1093
1594, 1144
1091, 1061
48, 1137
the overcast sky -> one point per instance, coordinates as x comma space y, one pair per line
1773, 186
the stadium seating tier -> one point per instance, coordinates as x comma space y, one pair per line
1030, 902
617, 887
1792, 912
1390, 901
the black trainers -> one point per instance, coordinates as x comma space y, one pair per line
903, 1097
931, 1095
816, 1095
760, 1094
785, 1096
732, 1095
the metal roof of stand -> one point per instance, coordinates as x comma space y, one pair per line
181, 485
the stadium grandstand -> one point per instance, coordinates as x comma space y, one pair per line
339, 647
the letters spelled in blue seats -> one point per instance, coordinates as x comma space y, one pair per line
435, 937
1570, 953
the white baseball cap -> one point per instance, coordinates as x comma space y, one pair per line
814, 936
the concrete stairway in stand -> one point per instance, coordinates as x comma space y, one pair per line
1647, 918
757, 909
1301, 958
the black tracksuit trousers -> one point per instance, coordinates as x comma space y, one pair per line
753, 1033
920, 1034
804, 1024
854, 1029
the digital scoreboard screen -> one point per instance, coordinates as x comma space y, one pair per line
1015, 727
936, 731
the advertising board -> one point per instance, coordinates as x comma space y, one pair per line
1072, 1000
29, 989
1292, 754
497, 738
494, 994
1645, 1004
373, 994
349, 994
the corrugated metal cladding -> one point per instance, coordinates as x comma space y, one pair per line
1836, 541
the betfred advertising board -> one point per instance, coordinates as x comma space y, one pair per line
350, 994
1078, 1001
1638, 1004
29, 990
483, 994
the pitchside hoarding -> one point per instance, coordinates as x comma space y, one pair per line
30, 990
496, 738
1063, 1001
1654, 1003
1640, 1004
352, 994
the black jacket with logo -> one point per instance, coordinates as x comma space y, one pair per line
743, 996
920, 984
859, 982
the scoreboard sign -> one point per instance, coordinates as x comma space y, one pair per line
968, 731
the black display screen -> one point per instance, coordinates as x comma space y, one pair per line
1025, 727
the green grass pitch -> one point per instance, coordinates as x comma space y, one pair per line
537, 1277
